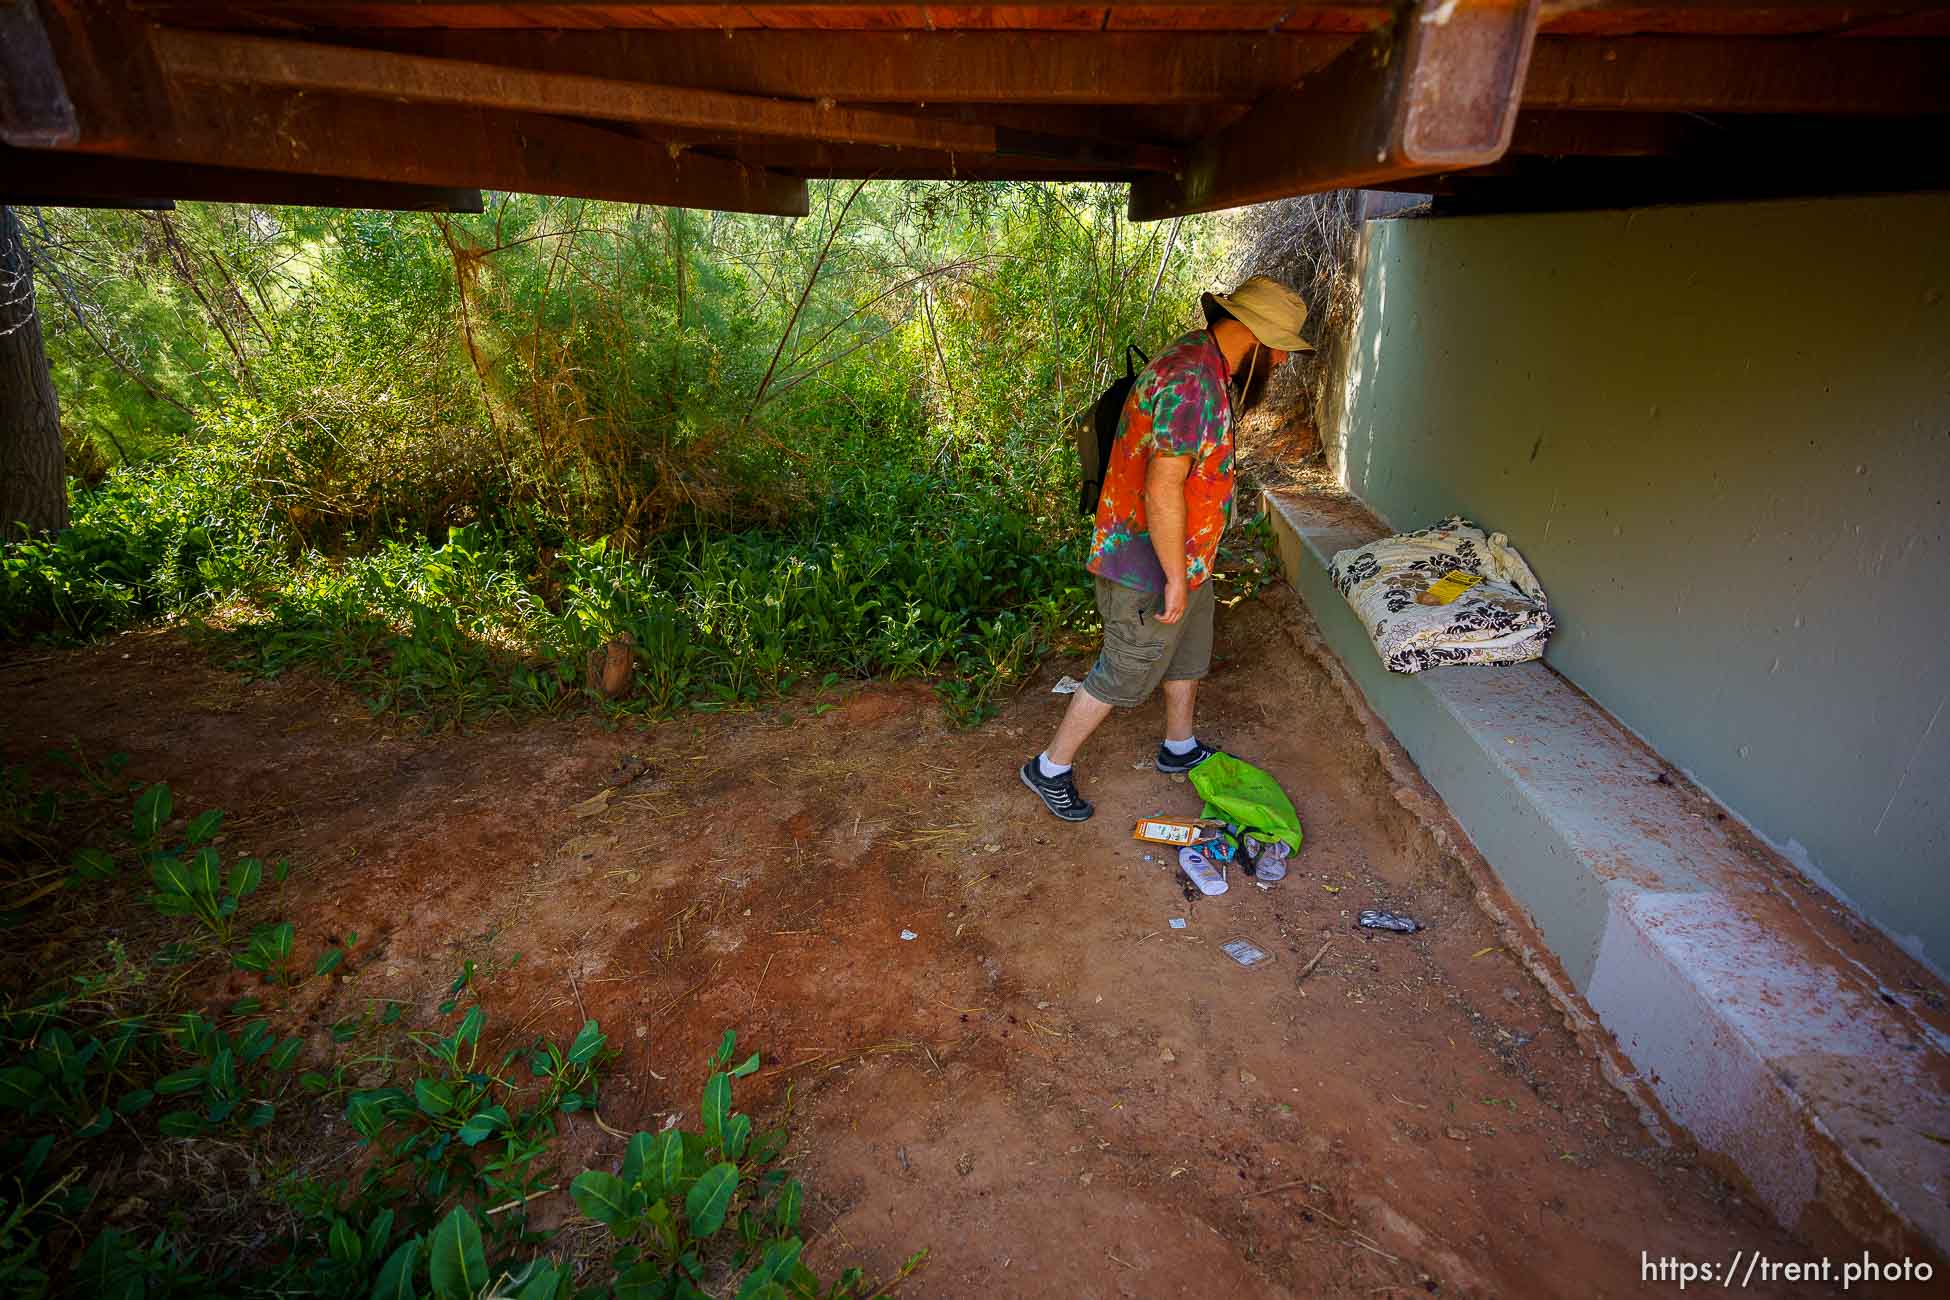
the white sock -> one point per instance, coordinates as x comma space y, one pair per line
1050, 770
1182, 747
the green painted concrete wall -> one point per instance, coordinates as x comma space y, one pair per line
1721, 437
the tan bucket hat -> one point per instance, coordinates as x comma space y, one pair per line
1273, 312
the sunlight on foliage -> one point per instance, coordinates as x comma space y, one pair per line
446, 457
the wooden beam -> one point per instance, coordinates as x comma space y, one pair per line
1111, 68
35, 110
1346, 15
59, 178
1435, 91
305, 66
126, 108
1694, 74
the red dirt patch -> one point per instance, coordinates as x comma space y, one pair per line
1048, 1087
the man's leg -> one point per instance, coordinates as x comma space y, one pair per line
1137, 651
1191, 659
1085, 714
1180, 696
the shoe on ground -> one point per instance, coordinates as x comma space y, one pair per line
1265, 861
1058, 793
1172, 764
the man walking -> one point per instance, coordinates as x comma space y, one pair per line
1167, 498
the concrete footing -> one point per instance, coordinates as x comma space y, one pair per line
1797, 1045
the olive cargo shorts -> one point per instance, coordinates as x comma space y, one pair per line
1139, 651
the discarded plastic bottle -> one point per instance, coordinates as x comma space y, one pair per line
1374, 919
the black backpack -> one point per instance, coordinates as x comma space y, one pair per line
1095, 431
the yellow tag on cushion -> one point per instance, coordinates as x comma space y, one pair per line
1451, 585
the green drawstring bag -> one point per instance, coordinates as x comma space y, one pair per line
1240, 793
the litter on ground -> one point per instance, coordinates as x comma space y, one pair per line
1246, 953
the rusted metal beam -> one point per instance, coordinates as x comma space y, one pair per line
1110, 68
59, 178
1691, 74
1435, 91
1350, 15
126, 107
1604, 135
34, 106
305, 66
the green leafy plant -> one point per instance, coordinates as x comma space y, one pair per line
227, 1083
679, 1191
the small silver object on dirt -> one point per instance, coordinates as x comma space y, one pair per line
1373, 919
908, 935
1176, 923
1065, 685
1247, 954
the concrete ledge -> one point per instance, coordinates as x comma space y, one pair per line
1797, 1044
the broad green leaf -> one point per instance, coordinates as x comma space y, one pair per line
433, 1096
602, 1196
204, 872
770, 1146
93, 864
171, 877
745, 1068
285, 1055
223, 1072
470, 1025
183, 1080
457, 1266
587, 1044
270, 946
203, 827
670, 1160
255, 1040
639, 1159
370, 1111
710, 1197
345, 1244
134, 1100
36, 1156
328, 961
737, 1132
717, 1105
21, 1086
777, 1263
483, 1124
246, 874
726, 1047
645, 1281
395, 1281
542, 1281
180, 1124
151, 811
98, 1125
378, 1233
792, 1199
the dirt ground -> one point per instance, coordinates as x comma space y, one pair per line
1048, 1087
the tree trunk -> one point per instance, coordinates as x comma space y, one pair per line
33, 472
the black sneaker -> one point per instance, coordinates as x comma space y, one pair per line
1058, 793
1172, 764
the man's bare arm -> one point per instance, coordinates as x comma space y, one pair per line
1164, 508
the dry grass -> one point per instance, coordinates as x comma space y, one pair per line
1309, 243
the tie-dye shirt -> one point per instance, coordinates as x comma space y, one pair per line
1178, 407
